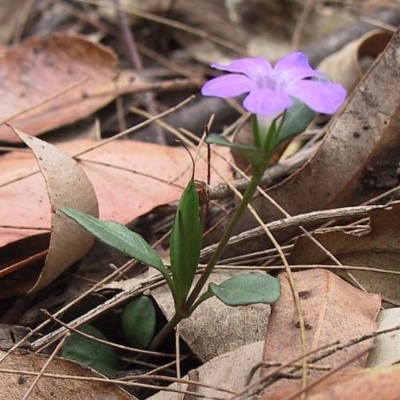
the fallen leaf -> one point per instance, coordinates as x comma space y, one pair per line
348, 65
18, 371
49, 255
143, 183
55, 81
68, 243
215, 328
131, 179
365, 384
379, 248
333, 311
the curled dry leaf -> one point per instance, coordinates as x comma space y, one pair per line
66, 185
379, 248
55, 81
333, 310
359, 157
348, 65
27, 366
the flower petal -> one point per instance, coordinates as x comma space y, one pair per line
267, 102
294, 67
254, 67
225, 86
292, 60
322, 97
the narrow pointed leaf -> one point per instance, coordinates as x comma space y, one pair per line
120, 237
185, 242
244, 289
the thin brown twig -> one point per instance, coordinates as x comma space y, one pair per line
304, 390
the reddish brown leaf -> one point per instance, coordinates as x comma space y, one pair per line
333, 310
135, 178
365, 384
51, 82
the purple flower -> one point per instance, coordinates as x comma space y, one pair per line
270, 89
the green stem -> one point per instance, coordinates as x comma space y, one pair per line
165, 331
258, 169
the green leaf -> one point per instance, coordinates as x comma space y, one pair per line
119, 237
243, 289
296, 120
99, 356
138, 322
185, 242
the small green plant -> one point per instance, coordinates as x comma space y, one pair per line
138, 322
283, 101
99, 356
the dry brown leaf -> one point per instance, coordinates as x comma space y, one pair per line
67, 242
215, 328
228, 371
359, 156
365, 384
69, 76
143, 179
348, 65
333, 310
16, 382
379, 248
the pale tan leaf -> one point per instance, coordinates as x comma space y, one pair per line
215, 328
228, 371
348, 65
386, 349
66, 185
